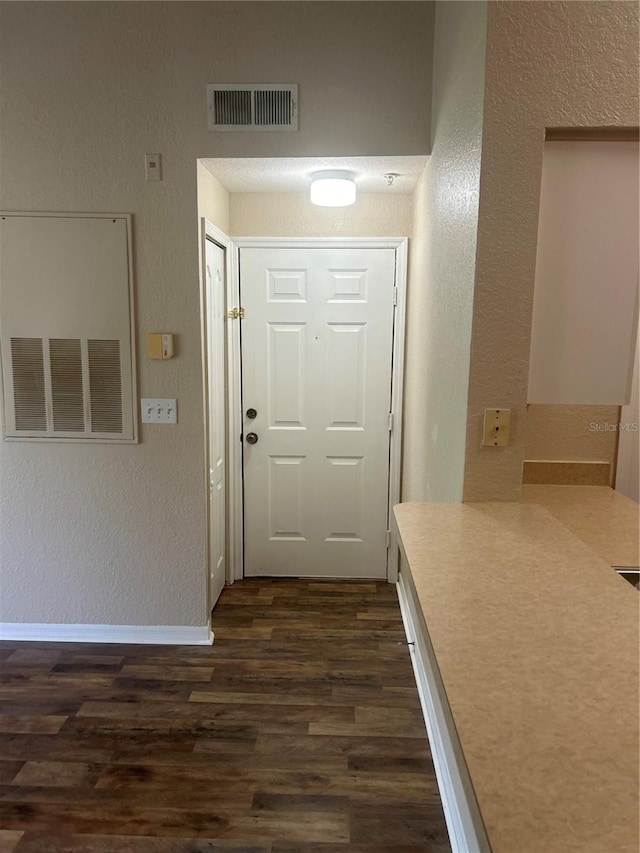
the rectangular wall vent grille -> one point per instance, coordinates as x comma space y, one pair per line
28, 384
106, 386
58, 382
232, 107
67, 394
273, 108
270, 106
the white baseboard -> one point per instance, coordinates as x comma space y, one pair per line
161, 635
464, 824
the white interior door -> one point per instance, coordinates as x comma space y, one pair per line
215, 283
317, 343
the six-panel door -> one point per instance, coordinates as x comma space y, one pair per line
317, 343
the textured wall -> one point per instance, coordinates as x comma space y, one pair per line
293, 215
563, 433
442, 263
213, 199
549, 64
93, 533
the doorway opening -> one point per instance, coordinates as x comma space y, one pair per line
240, 215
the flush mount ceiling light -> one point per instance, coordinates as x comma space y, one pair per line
333, 188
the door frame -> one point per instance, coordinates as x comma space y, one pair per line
235, 446
626, 472
233, 512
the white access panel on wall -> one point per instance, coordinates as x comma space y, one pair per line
586, 285
66, 326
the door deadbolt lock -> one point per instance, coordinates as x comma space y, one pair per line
251, 413
252, 438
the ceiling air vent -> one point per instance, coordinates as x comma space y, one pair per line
247, 106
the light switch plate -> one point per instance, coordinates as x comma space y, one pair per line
159, 411
497, 424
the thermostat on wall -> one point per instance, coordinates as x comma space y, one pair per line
159, 345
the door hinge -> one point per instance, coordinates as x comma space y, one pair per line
388, 539
390, 421
395, 295
236, 314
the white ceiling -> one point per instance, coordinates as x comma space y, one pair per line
293, 174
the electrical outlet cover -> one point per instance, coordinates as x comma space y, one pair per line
497, 423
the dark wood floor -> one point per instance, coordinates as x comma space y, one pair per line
299, 730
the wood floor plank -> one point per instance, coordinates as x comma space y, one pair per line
363, 787
291, 686
44, 842
298, 731
59, 774
395, 823
384, 729
243, 632
118, 819
45, 724
221, 711
300, 802
27, 654
9, 770
162, 672
13, 682
189, 726
91, 748
356, 745
105, 803
9, 839
232, 698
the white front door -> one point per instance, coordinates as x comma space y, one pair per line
317, 343
215, 284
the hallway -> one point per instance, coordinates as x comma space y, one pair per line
299, 730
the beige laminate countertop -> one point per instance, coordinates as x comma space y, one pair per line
536, 642
606, 520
